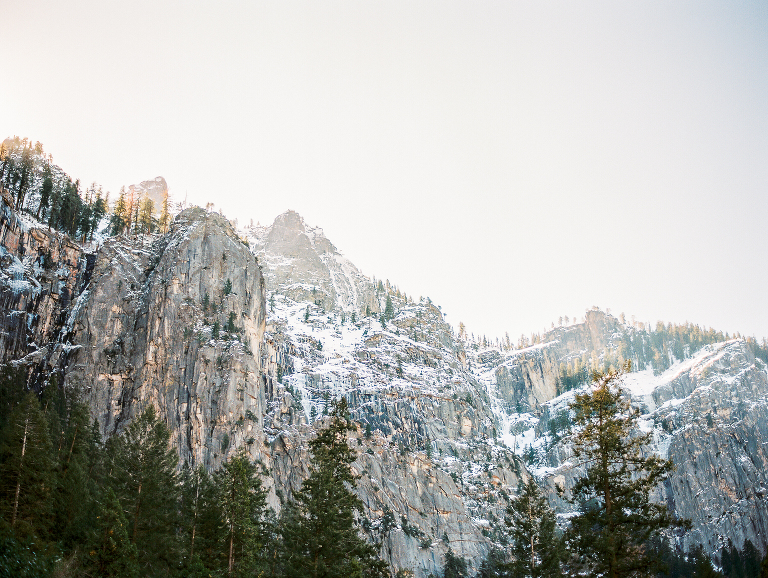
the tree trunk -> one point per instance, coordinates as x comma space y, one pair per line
18, 481
231, 548
136, 516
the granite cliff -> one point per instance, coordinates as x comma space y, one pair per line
241, 339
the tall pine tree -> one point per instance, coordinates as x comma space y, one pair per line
242, 503
26, 470
616, 518
143, 475
319, 530
536, 547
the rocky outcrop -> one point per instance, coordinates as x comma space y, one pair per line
155, 190
41, 275
236, 357
433, 473
709, 415
146, 334
301, 263
715, 430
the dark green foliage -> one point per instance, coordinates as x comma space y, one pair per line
320, 535
750, 558
143, 474
389, 309
744, 563
537, 548
26, 470
13, 387
494, 566
231, 327
120, 216
76, 484
455, 566
559, 425
98, 212
118, 510
760, 350
111, 552
672, 564
244, 546
227, 287
45, 196
24, 558
215, 331
616, 517
66, 216
194, 484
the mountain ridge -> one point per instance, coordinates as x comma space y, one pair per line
242, 339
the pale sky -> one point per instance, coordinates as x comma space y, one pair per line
514, 161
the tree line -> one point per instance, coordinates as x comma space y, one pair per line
41, 189
616, 530
71, 505
656, 348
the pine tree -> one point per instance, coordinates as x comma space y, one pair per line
231, 327
98, 211
455, 567
75, 489
119, 219
144, 218
26, 470
143, 474
750, 557
319, 530
616, 518
165, 217
242, 503
45, 196
201, 523
494, 566
111, 552
389, 309
536, 547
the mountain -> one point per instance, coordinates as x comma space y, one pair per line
155, 189
240, 339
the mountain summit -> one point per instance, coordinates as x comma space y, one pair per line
300, 261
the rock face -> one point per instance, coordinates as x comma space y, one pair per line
432, 472
714, 426
146, 336
155, 189
301, 263
708, 415
41, 275
233, 356
133, 325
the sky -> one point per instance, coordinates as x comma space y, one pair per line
514, 161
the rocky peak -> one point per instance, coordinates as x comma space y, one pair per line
155, 189
300, 262
290, 220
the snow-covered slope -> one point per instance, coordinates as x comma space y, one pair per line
480, 413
